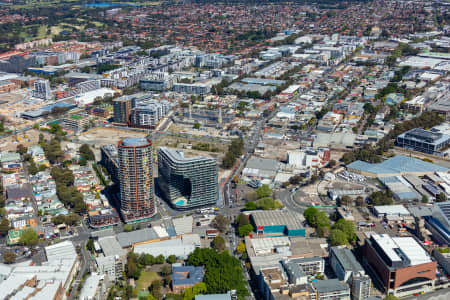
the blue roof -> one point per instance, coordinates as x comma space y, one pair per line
187, 275
397, 165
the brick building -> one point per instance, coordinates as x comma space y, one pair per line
401, 264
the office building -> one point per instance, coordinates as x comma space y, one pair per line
348, 269
400, 263
137, 201
425, 141
311, 266
331, 289
42, 89
122, 109
187, 182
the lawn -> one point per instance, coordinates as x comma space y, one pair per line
145, 280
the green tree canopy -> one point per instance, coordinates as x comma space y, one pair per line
338, 237
86, 152
245, 230
240, 248
218, 243
442, 197
197, 289
221, 223
263, 191
29, 237
171, 259
242, 219
348, 227
316, 218
223, 272
4, 226
250, 205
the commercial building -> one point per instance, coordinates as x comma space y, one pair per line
331, 289
93, 288
261, 169
386, 211
122, 109
180, 247
112, 266
187, 182
308, 158
426, 141
101, 218
348, 269
400, 264
396, 166
42, 89
49, 280
439, 222
278, 221
136, 179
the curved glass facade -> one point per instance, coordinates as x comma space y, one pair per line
187, 182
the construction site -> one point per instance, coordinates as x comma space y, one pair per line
205, 117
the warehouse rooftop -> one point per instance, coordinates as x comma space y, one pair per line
278, 217
399, 165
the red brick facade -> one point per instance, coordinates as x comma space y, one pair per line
401, 275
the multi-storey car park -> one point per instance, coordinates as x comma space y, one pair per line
187, 182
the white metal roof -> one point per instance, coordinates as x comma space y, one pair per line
392, 210
413, 251
402, 249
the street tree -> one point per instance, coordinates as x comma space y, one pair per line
240, 248
218, 243
263, 191
4, 226
245, 230
442, 197
29, 237
221, 223
9, 257
171, 259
